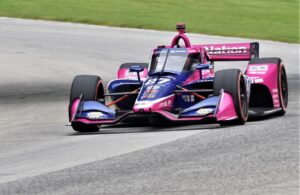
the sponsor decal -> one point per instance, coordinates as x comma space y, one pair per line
150, 90
166, 103
188, 98
251, 72
262, 68
142, 103
258, 69
149, 93
205, 71
155, 87
275, 97
148, 96
95, 115
178, 50
225, 50
204, 111
260, 80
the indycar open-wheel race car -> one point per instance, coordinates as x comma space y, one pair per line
180, 85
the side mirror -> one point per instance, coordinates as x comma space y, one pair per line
137, 69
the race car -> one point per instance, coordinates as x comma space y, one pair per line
179, 85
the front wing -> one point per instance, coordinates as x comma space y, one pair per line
214, 108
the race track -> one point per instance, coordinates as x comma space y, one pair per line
40, 154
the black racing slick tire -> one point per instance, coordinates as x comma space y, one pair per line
232, 81
89, 87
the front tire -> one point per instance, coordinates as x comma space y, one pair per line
232, 81
90, 87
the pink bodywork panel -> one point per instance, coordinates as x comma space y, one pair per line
74, 108
226, 110
206, 73
266, 74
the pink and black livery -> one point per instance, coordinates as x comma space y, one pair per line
179, 84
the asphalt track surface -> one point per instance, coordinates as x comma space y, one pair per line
39, 154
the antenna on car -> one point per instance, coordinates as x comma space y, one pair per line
180, 27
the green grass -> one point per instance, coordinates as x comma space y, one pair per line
264, 19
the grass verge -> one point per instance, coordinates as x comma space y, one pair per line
263, 19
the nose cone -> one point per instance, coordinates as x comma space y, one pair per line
157, 88
164, 103
156, 94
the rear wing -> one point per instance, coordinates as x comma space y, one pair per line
218, 52
231, 52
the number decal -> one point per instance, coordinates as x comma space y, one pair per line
155, 81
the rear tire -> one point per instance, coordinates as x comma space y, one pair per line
90, 87
232, 81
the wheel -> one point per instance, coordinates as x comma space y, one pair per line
90, 87
282, 89
232, 81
